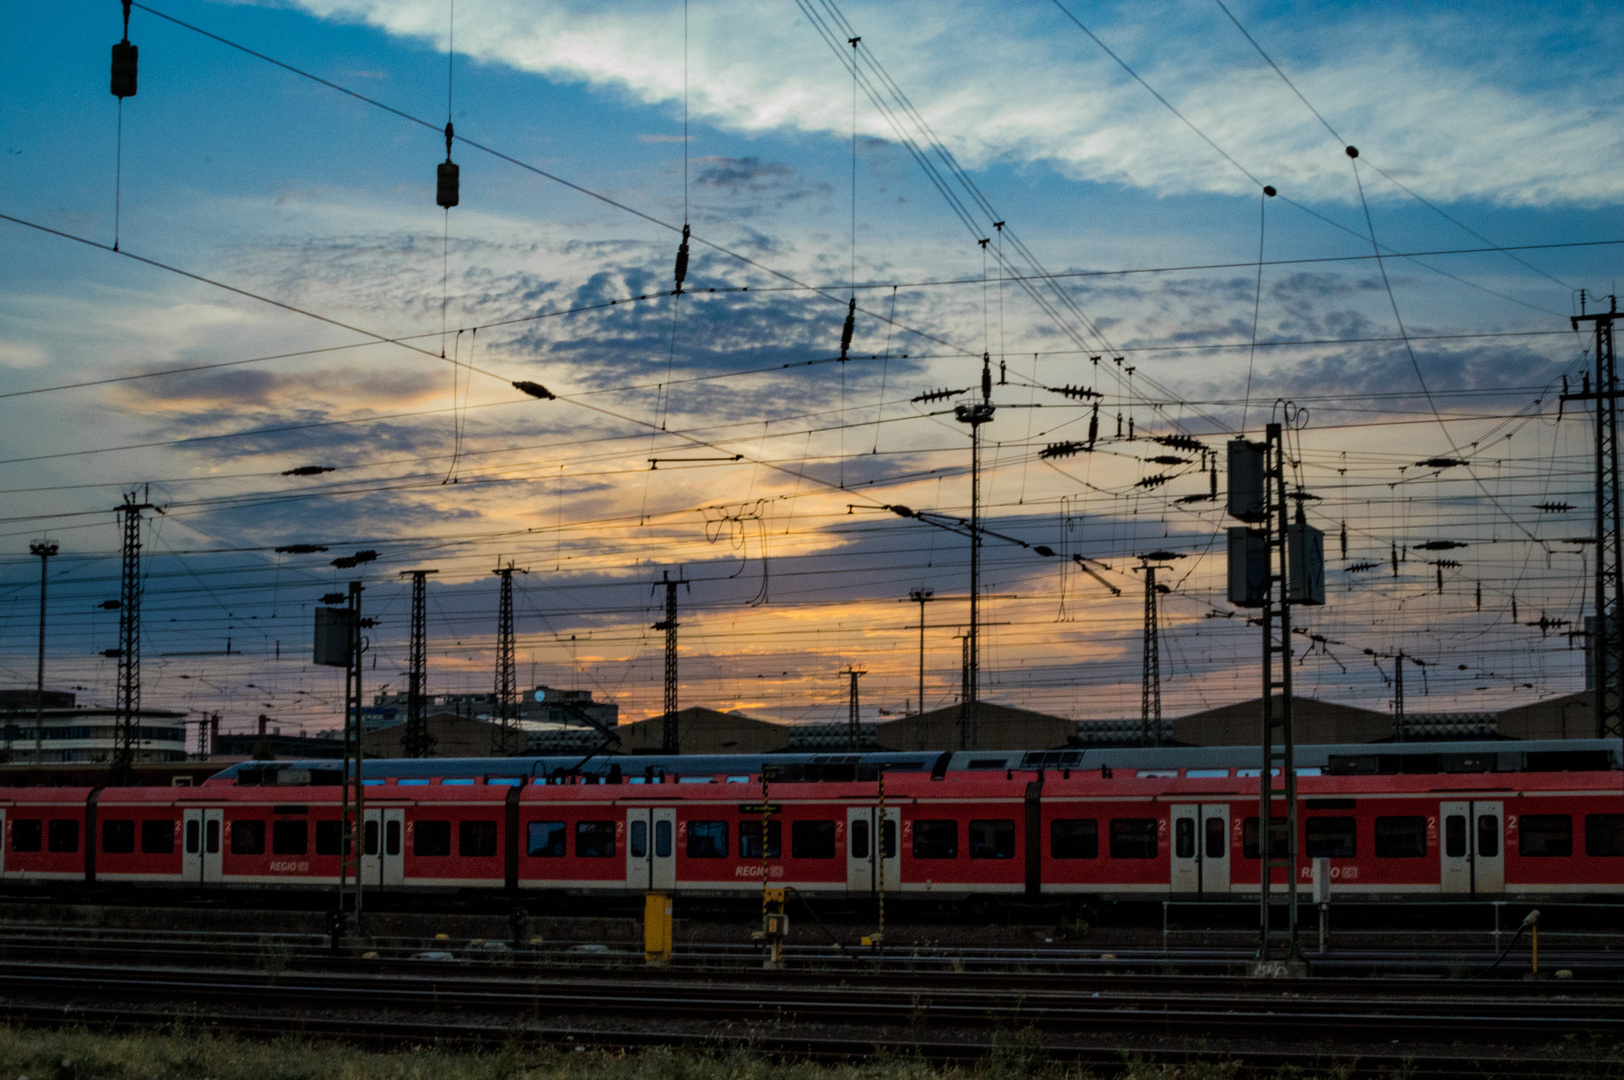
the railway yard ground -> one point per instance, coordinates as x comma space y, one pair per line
448, 993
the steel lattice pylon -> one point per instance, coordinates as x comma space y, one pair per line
507, 680
417, 741
1607, 635
1150, 684
126, 724
974, 414
1278, 748
671, 738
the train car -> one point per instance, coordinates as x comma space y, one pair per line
921, 832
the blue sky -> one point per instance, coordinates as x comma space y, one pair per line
1501, 116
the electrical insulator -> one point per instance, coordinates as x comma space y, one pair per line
1003, 374
986, 377
1094, 425
447, 190
124, 61
1119, 425
851, 324
682, 260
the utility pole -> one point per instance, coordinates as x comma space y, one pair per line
1607, 638
1398, 697
854, 731
921, 597
44, 549
507, 706
671, 738
1150, 683
126, 725
417, 741
974, 414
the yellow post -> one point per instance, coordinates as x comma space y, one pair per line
775, 928
657, 928
1534, 930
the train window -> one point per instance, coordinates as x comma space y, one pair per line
62, 835
1217, 838
1488, 835
859, 839
430, 838
248, 838
814, 839
992, 839
289, 837
1604, 835
545, 839
1133, 838
457, 781
662, 839
211, 837
1074, 838
935, 839
638, 841
420, 781
1207, 774
118, 836
1545, 836
391, 838
595, 839
750, 840
888, 839
329, 837
1331, 837
1401, 837
1455, 836
1184, 838
1278, 835
157, 837
707, 839
476, 839
26, 834
192, 837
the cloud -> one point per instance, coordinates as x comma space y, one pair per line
23, 354
1461, 105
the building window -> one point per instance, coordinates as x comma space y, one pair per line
26, 834
935, 839
429, 838
248, 838
1277, 838
707, 839
750, 840
157, 837
1133, 838
595, 839
812, 839
1331, 837
1074, 838
1604, 835
1545, 836
289, 838
1401, 837
993, 839
476, 839
118, 836
329, 837
545, 839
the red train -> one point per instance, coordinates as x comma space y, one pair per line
1524, 835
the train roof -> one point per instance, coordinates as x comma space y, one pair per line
1347, 759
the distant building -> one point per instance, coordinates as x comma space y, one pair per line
69, 732
541, 704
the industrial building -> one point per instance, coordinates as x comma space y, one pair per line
69, 732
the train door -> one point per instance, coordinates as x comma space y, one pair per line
1455, 851
1200, 857
2, 842
1489, 871
1472, 856
200, 845
651, 848
864, 857
392, 859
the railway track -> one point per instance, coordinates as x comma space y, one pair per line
1364, 1028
